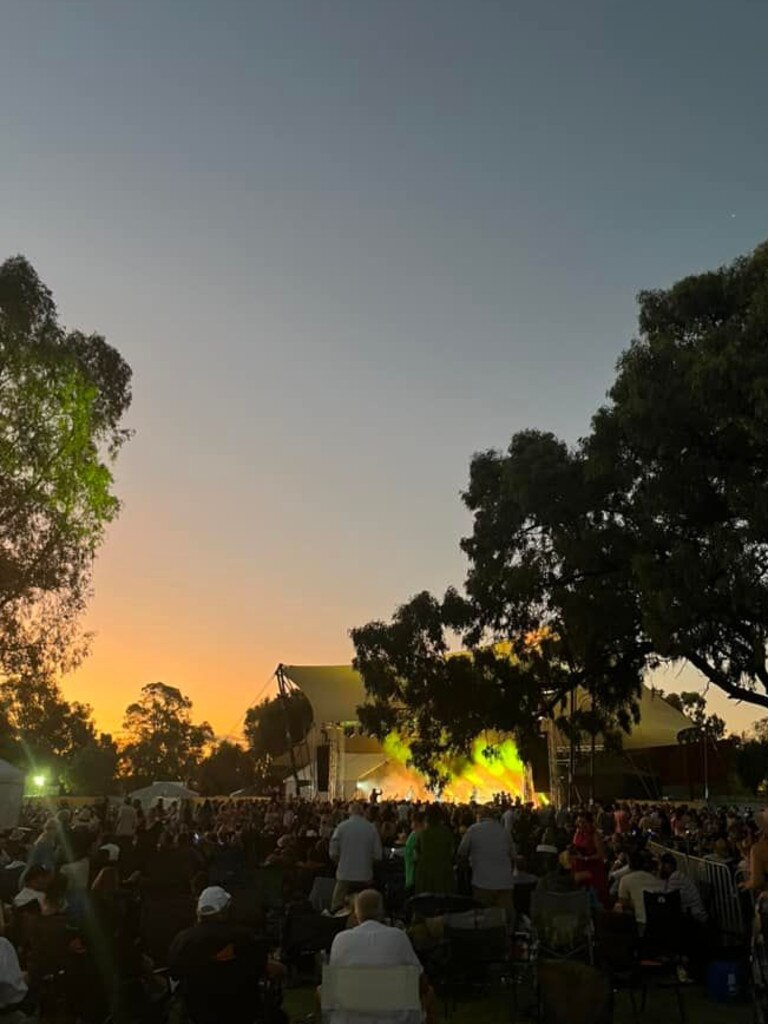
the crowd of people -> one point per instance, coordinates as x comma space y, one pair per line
85, 890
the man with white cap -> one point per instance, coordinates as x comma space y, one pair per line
219, 963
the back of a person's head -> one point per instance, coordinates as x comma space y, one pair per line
667, 863
434, 815
37, 877
55, 894
638, 860
355, 808
369, 906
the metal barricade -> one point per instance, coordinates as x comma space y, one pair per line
720, 884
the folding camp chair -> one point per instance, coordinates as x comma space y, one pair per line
479, 947
562, 924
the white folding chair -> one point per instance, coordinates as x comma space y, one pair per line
376, 992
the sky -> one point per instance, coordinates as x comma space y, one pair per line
344, 244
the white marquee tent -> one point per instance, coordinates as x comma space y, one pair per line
11, 795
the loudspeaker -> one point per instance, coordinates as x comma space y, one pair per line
323, 767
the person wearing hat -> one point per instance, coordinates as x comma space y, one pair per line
220, 963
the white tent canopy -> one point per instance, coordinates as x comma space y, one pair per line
11, 795
163, 791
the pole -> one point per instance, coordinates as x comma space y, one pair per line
592, 752
283, 690
572, 751
705, 739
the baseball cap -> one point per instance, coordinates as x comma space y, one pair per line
112, 850
213, 900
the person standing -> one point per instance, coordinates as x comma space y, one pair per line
409, 856
489, 849
434, 852
355, 847
127, 821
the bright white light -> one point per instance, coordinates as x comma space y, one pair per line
39, 780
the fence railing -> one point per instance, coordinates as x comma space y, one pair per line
718, 888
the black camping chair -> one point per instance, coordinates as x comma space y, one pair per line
661, 946
478, 950
225, 991
432, 904
617, 949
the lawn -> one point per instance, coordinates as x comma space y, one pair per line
497, 1008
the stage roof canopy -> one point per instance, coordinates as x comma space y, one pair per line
336, 691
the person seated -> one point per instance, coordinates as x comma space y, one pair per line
556, 875
675, 881
12, 869
219, 964
721, 853
638, 880
373, 944
33, 887
13, 984
50, 934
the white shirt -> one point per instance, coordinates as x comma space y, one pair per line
126, 821
633, 885
25, 896
13, 988
355, 845
373, 944
489, 848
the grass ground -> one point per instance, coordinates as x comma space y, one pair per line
497, 1009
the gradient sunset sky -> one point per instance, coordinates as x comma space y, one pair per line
344, 244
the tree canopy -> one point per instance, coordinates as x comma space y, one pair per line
63, 395
645, 541
694, 705
227, 768
545, 609
276, 723
684, 440
163, 743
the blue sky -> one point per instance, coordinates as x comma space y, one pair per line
344, 245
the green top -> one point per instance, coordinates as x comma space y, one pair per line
434, 853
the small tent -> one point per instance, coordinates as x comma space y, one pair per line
11, 795
149, 795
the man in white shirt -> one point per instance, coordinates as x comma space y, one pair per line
127, 821
510, 816
355, 846
632, 886
489, 849
371, 944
